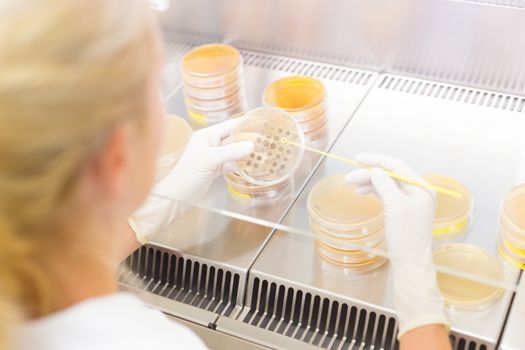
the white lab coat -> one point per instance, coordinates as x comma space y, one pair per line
115, 322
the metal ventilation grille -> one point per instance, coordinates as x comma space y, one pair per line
464, 344
190, 282
506, 3
454, 93
179, 46
318, 320
313, 69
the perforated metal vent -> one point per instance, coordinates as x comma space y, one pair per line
179, 46
318, 320
460, 343
453, 93
194, 283
313, 69
506, 3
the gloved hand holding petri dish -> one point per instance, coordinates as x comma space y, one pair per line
272, 160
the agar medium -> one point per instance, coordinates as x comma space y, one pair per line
304, 98
271, 162
473, 260
177, 134
453, 214
213, 83
345, 223
512, 227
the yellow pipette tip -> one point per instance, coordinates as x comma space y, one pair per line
284, 140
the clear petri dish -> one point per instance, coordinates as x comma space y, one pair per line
314, 124
301, 96
336, 206
473, 260
355, 256
350, 242
213, 105
211, 65
240, 188
362, 267
206, 118
272, 161
513, 211
214, 92
177, 134
453, 215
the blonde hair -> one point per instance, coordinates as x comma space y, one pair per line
69, 71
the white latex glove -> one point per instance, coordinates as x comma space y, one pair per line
204, 159
409, 217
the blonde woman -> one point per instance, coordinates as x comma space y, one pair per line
80, 123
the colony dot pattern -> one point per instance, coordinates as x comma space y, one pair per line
271, 159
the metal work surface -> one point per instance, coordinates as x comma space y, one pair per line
430, 126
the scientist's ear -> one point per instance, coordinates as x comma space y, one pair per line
111, 165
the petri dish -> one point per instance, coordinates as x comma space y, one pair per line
217, 104
177, 134
513, 210
206, 118
271, 161
302, 96
211, 65
453, 215
362, 267
473, 260
240, 188
214, 92
335, 205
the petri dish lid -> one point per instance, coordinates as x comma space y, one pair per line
294, 93
334, 203
448, 208
271, 161
210, 60
177, 134
473, 260
513, 209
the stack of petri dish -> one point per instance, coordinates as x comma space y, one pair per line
177, 134
267, 171
344, 223
512, 227
453, 215
304, 98
213, 83
473, 261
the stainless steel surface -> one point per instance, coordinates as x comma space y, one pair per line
260, 336
216, 340
466, 42
172, 275
439, 129
291, 292
172, 307
514, 335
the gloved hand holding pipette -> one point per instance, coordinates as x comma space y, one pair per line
204, 159
409, 216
